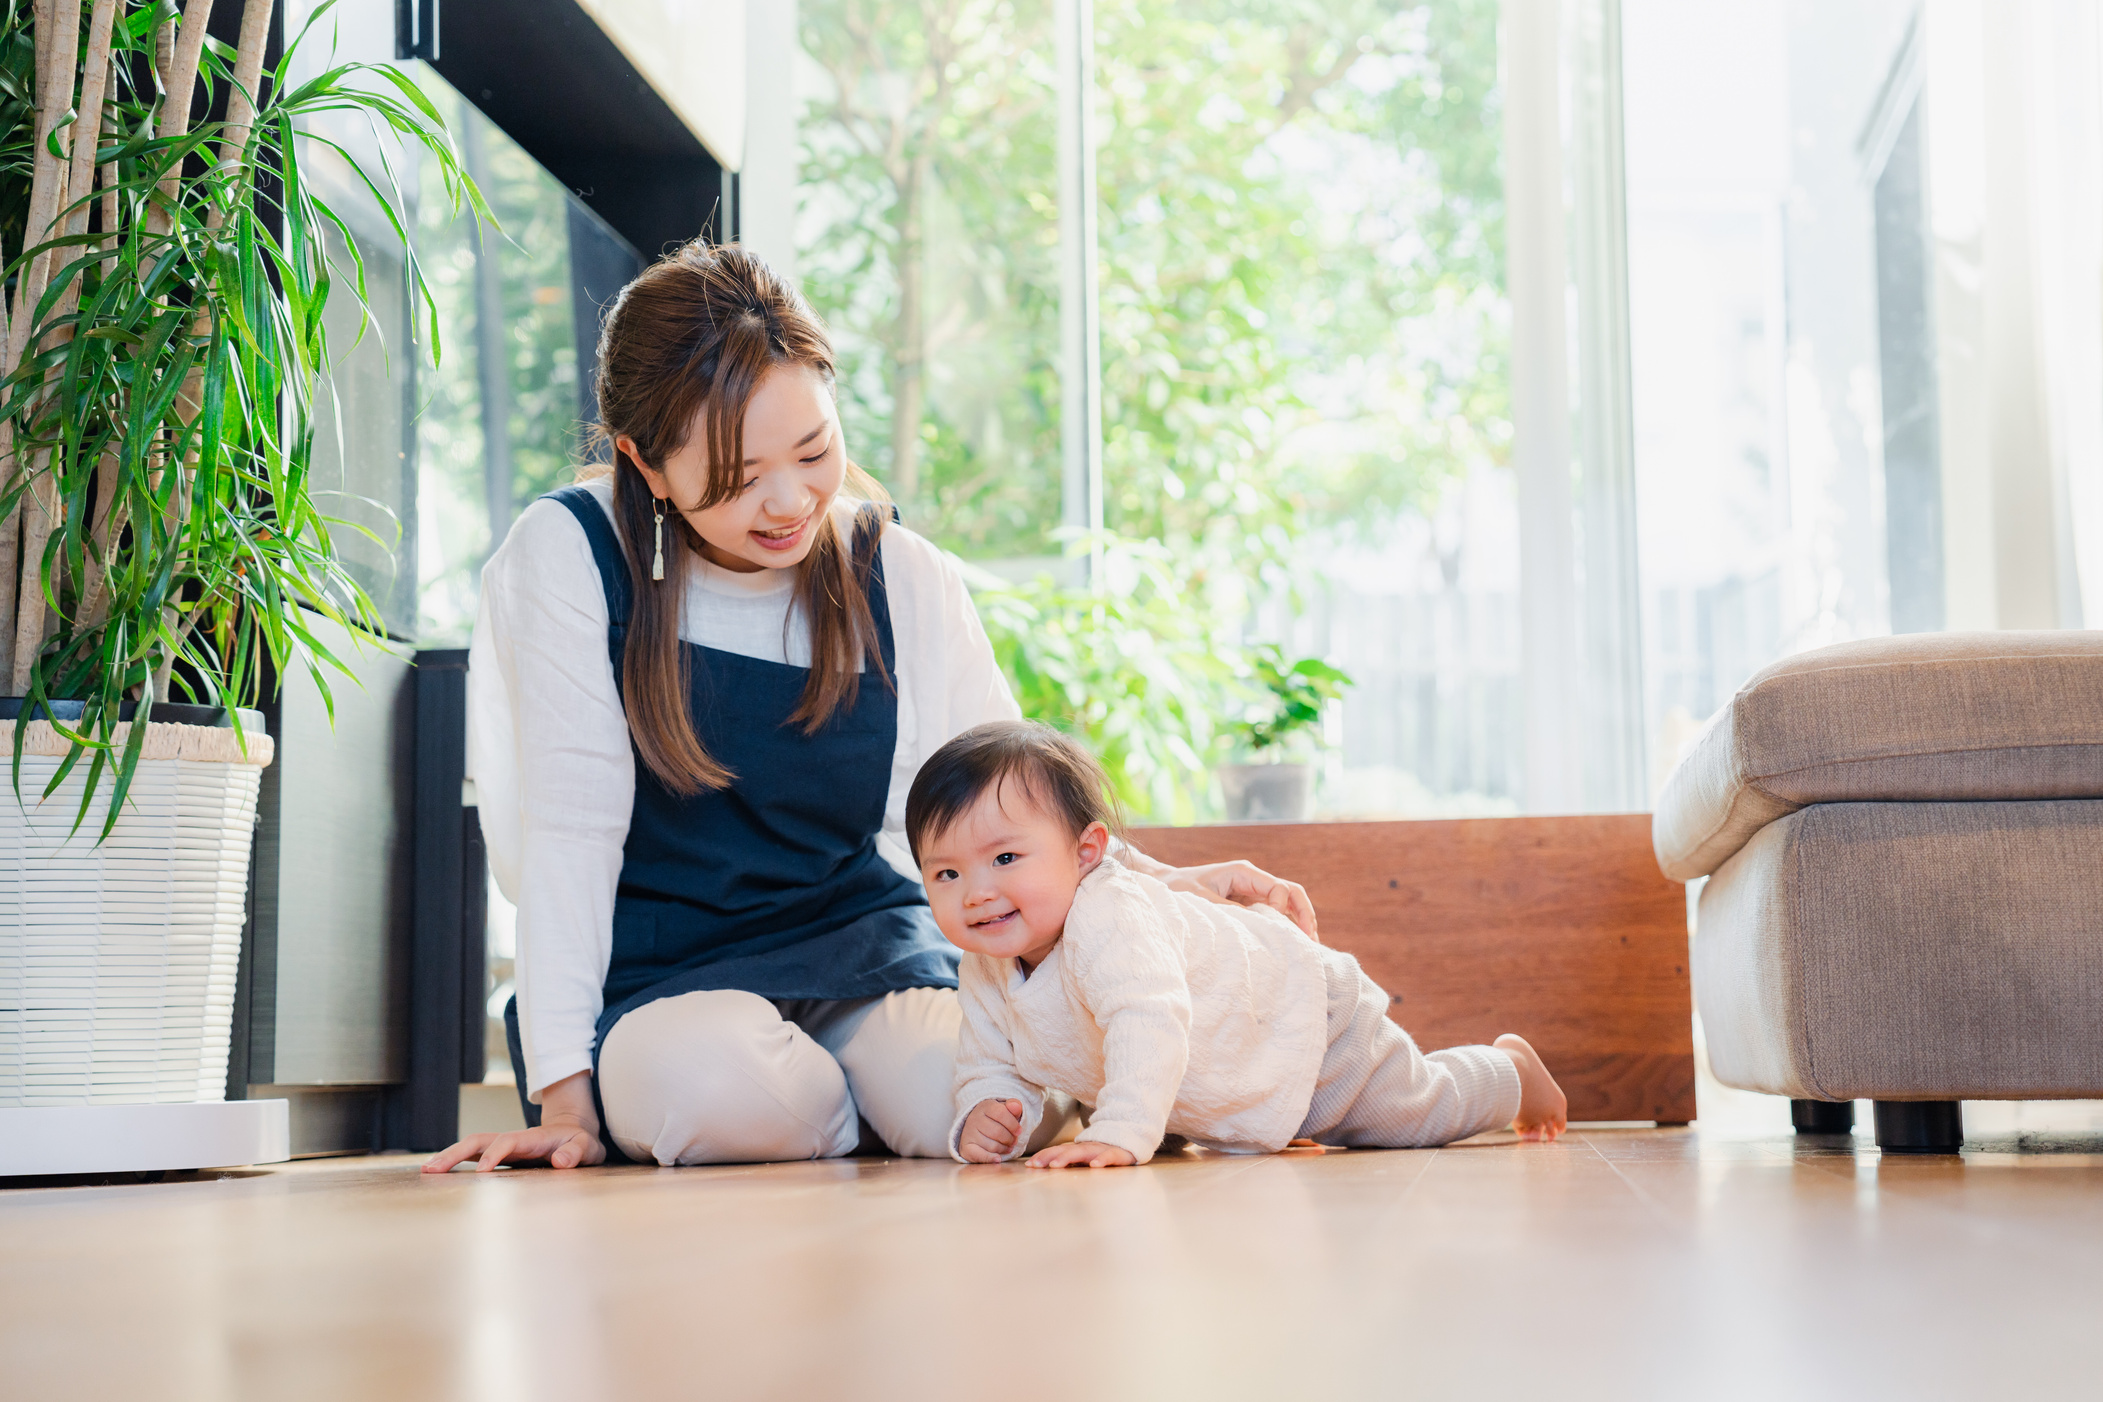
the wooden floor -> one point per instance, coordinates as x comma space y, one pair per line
1623, 1263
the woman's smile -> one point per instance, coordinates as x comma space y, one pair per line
782, 537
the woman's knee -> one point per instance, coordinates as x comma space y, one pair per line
901, 1065
718, 1077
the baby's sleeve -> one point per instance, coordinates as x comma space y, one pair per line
1132, 978
986, 1054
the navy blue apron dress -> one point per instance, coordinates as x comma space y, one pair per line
774, 884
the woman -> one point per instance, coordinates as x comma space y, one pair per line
699, 690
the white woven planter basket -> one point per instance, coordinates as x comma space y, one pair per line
117, 960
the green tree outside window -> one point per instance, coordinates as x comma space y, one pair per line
1304, 326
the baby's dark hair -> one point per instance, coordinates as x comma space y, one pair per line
1057, 774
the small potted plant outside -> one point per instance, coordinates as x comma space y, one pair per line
163, 558
1279, 734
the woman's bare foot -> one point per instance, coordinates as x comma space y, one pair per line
1544, 1111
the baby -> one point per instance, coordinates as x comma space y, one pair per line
1167, 1012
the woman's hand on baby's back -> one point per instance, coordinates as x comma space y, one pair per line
1245, 883
990, 1131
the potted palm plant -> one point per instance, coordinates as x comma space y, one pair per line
163, 560
1277, 735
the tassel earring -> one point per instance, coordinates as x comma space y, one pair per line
657, 564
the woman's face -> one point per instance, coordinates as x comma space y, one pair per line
794, 466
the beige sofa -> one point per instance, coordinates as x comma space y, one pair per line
1904, 844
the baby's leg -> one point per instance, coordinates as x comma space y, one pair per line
1376, 1090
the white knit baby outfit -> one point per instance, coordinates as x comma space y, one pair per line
1172, 1014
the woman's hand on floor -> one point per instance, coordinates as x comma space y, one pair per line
568, 1136
1245, 883
561, 1145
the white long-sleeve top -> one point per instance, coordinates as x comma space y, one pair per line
548, 743
1167, 1012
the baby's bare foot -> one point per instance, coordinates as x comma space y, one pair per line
1544, 1111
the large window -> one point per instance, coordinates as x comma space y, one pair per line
1305, 336
1865, 343
1282, 299
1549, 365
1755, 302
928, 236
498, 416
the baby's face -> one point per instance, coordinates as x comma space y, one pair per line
1002, 877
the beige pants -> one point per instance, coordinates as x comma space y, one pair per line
731, 1077
1377, 1091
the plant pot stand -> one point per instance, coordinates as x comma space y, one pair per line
1268, 793
45, 1139
118, 956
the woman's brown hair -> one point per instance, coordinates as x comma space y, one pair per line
689, 341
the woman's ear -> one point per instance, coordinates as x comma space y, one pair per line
652, 478
1094, 846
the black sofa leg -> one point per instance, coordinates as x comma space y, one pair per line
1822, 1116
1919, 1126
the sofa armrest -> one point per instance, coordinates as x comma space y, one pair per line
1919, 718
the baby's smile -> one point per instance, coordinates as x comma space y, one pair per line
1000, 880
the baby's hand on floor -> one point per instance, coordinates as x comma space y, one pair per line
1083, 1153
1544, 1112
990, 1130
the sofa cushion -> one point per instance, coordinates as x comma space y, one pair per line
1925, 717
1908, 951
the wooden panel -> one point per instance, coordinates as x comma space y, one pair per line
1560, 929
